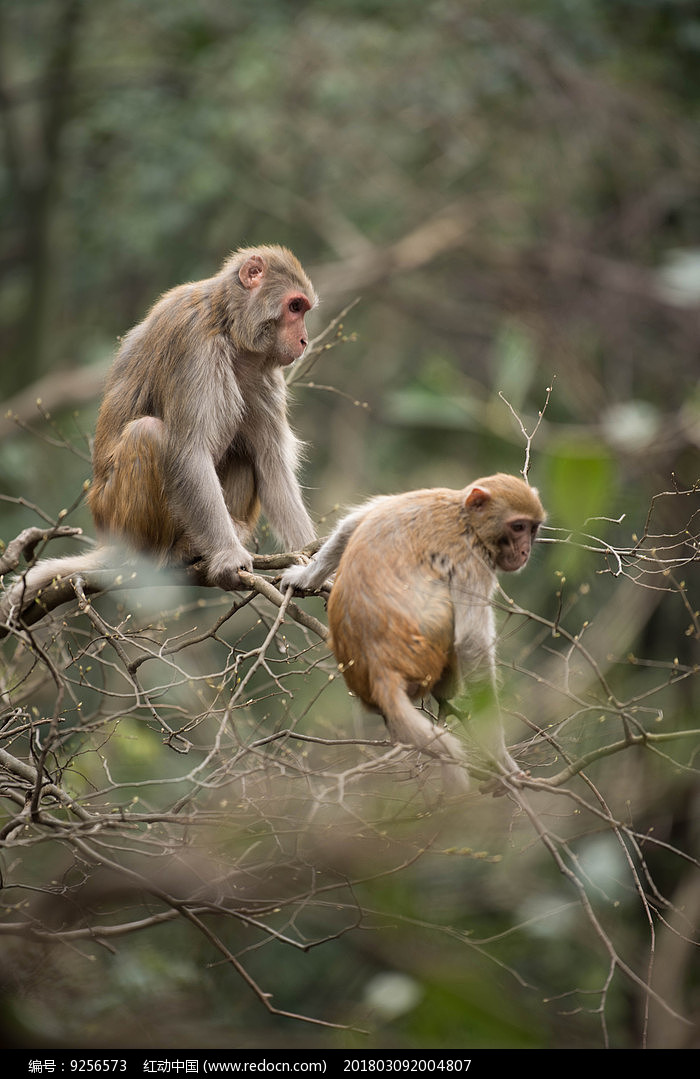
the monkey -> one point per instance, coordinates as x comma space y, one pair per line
192, 436
410, 610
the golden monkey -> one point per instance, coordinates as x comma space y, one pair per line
410, 608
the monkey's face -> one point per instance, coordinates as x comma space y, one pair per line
291, 336
515, 544
270, 320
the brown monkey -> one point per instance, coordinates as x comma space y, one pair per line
192, 435
410, 609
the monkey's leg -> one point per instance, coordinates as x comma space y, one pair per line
129, 499
476, 704
471, 682
408, 726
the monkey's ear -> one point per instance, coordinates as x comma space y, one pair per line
477, 496
252, 272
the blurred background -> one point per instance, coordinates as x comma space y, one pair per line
507, 192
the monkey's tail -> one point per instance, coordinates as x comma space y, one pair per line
408, 726
22, 600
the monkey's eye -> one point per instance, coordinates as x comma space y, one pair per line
296, 306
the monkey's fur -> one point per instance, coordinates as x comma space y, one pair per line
410, 607
192, 436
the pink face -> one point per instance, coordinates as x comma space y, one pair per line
292, 337
516, 543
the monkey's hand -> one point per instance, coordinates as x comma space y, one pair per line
223, 567
298, 577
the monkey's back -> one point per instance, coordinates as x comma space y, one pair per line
390, 610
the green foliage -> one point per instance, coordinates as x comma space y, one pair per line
582, 487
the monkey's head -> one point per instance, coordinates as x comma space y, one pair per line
505, 514
275, 299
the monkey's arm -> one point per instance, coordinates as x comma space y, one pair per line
276, 460
309, 578
200, 420
280, 494
198, 503
468, 690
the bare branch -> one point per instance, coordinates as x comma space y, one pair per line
25, 544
